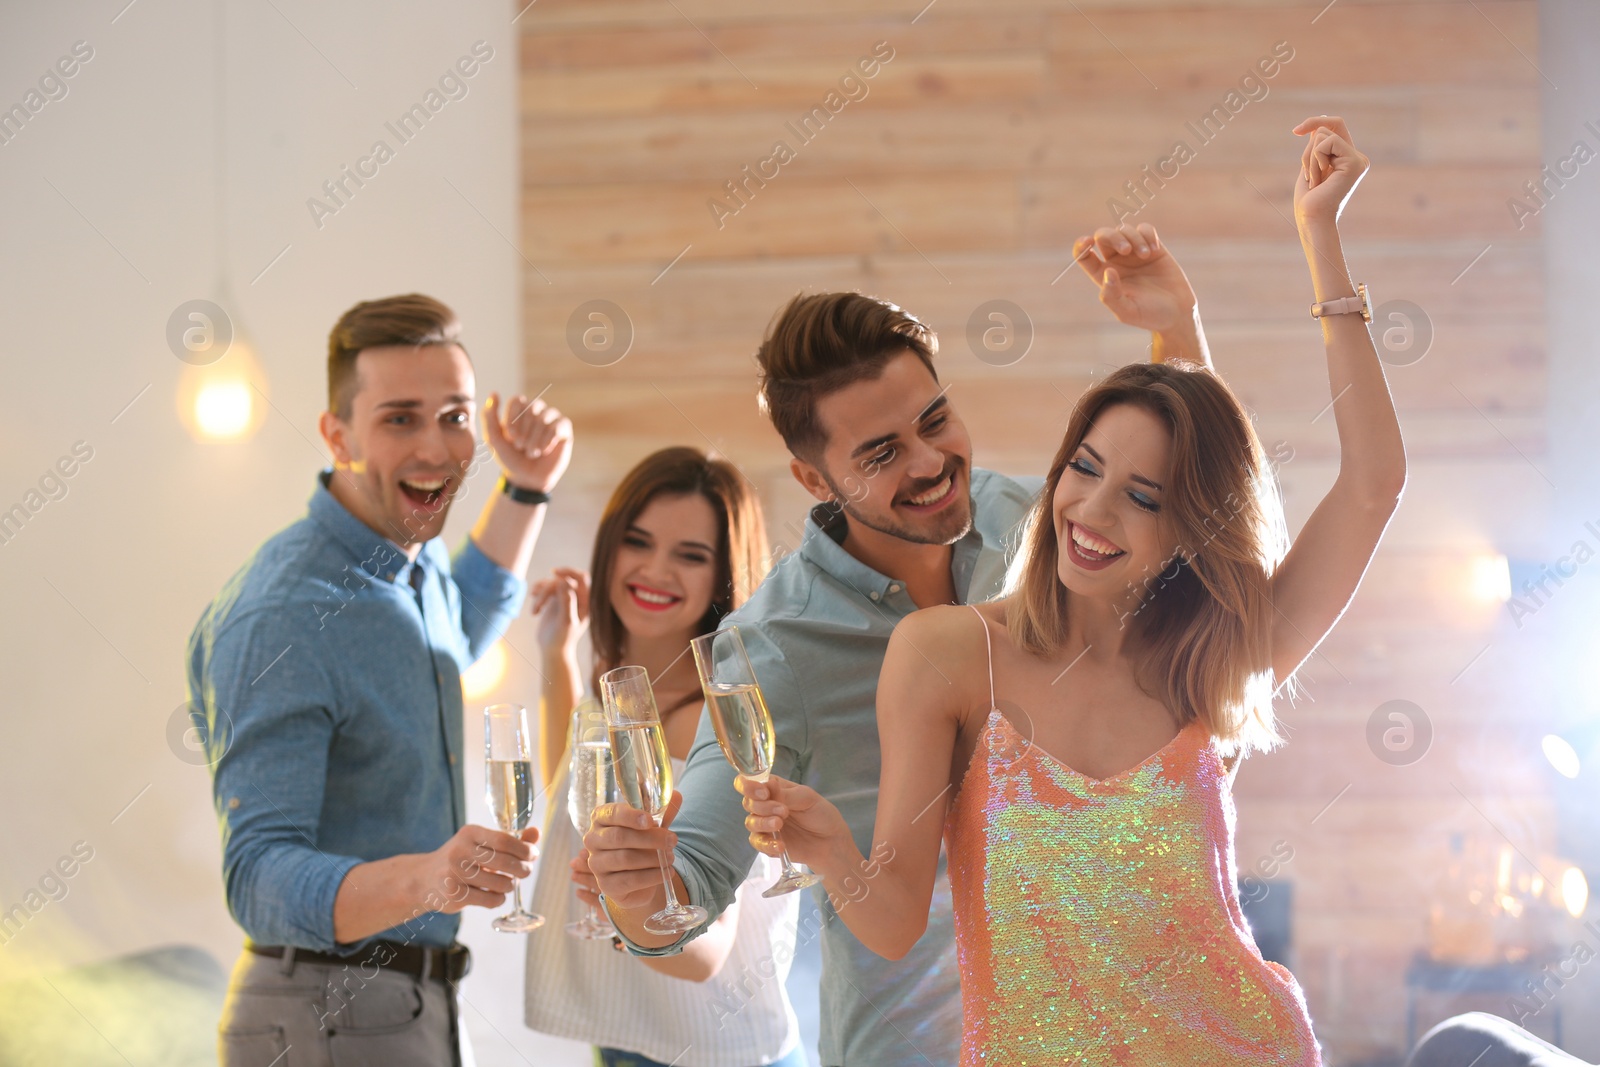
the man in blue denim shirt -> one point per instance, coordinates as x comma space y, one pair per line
327, 673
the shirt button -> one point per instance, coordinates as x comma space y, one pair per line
873, 595
452, 759
894, 589
233, 803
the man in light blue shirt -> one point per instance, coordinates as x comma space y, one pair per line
905, 522
326, 679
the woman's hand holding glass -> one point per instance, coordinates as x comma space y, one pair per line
622, 851
743, 725
644, 775
812, 829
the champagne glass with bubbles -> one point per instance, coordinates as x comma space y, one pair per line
644, 774
590, 783
743, 724
508, 783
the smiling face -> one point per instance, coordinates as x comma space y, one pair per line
665, 570
408, 440
898, 458
1107, 505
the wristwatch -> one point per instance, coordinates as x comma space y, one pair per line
521, 495
1345, 305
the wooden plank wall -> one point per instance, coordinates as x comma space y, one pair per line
995, 134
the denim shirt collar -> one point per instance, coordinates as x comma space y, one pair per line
376, 556
823, 544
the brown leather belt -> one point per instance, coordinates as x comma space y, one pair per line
446, 964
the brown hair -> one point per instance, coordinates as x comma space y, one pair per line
1203, 624
412, 319
741, 539
819, 344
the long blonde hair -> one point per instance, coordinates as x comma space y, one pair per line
1203, 624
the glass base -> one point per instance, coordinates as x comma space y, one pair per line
676, 919
792, 881
518, 922
590, 929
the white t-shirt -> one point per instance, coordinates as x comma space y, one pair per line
588, 991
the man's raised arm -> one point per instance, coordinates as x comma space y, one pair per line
1141, 283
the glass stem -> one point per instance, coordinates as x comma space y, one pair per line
666, 880
516, 896
591, 914
788, 864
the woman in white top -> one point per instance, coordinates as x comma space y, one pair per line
681, 544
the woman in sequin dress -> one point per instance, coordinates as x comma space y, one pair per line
1074, 742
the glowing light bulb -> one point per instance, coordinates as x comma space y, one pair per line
223, 409
1574, 892
1562, 756
1490, 579
484, 676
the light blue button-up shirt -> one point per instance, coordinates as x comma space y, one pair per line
817, 630
327, 678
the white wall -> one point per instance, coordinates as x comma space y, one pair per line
106, 210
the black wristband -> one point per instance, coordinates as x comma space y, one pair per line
521, 495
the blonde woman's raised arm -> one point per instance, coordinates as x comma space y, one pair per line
1318, 577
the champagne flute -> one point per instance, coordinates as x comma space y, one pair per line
590, 783
508, 783
744, 726
644, 774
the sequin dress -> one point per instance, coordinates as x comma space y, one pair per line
1097, 920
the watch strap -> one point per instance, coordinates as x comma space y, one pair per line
522, 495
1345, 305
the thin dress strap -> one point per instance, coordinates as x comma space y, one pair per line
988, 648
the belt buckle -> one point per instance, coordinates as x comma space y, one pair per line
458, 962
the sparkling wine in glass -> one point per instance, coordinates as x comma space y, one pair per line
644, 774
743, 724
590, 783
508, 783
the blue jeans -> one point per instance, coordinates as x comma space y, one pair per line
610, 1057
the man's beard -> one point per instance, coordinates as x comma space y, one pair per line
923, 536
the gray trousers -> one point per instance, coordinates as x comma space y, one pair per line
288, 1013
1478, 1039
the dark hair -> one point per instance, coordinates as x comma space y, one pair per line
1204, 623
820, 343
412, 319
741, 539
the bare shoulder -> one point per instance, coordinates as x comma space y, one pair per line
948, 629
925, 690
950, 640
